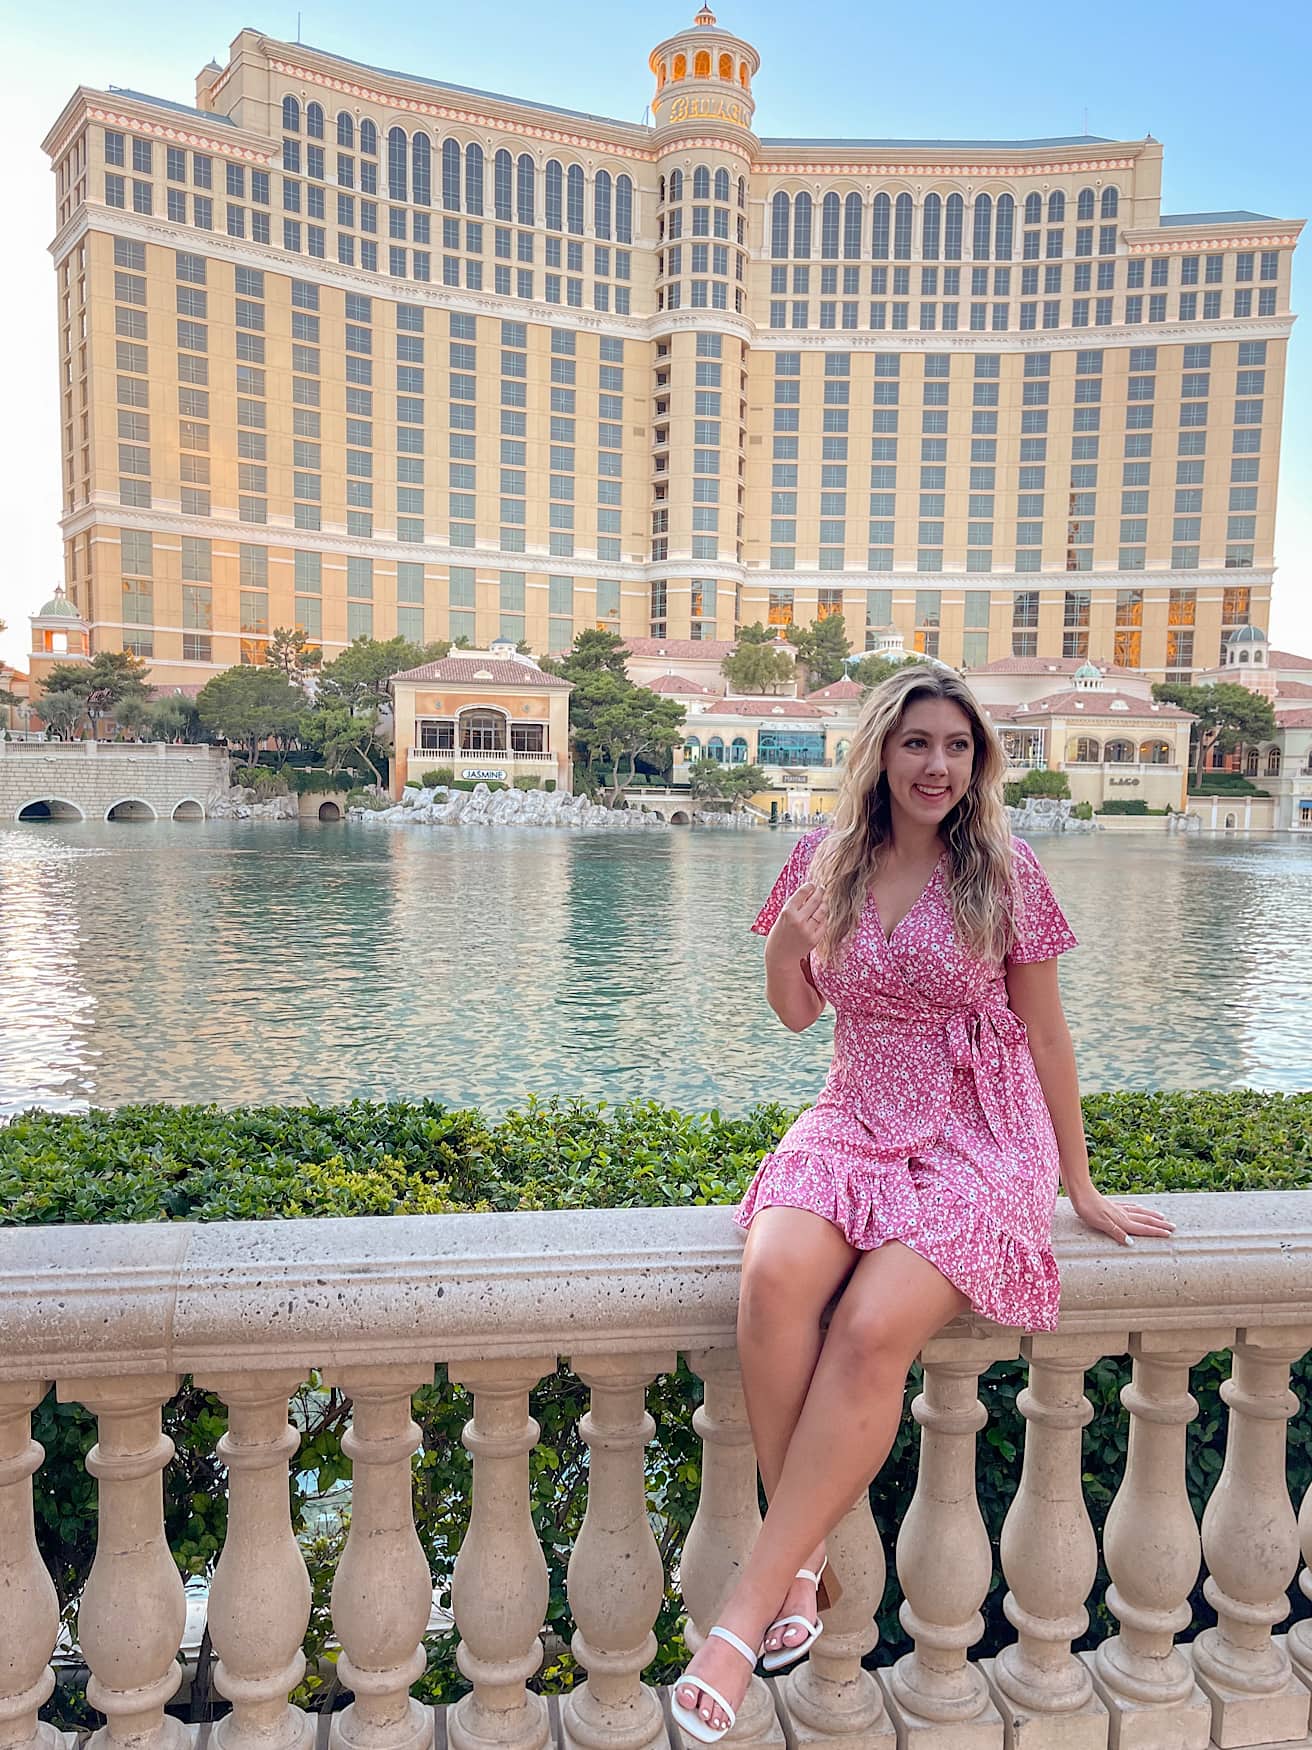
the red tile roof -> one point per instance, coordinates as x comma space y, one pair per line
1294, 719
482, 670
681, 649
1287, 659
1292, 690
674, 683
1097, 704
1046, 665
769, 707
837, 691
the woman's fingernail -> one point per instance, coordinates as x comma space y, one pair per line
1129, 1239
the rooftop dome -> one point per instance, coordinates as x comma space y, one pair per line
1247, 635
1088, 671
58, 608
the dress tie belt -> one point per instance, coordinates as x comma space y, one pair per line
981, 1041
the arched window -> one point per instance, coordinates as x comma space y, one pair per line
1082, 750
1250, 763
553, 202
1273, 762
1004, 225
1056, 207
726, 66
501, 184
692, 748
1155, 753
369, 139
701, 183
742, 192
662, 74
624, 209
738, 751
722, 185
829, 227
601, 190
802, 227
525, 192
681, 66
931, 227
450, 176
397, 146
880, 236
715, 749
701, 67
902, 211
291, 116
982, 238
1111, 202
473, 177
421, 169
1119, 753
1033, 209
676, 187
1243, 656
779, 211
840, 751
1084, 206
574, 200
482, 732
743, 74
954, 224
345, 128
853, 219
314, 120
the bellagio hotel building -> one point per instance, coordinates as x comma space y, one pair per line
369, 353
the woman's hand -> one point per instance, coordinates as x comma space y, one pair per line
800, 924
1120, 1220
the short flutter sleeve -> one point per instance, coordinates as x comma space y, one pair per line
1041, 929
791, 877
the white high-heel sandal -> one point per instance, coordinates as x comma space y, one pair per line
782, 1657
693, 1723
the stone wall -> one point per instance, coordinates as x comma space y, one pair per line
90, 778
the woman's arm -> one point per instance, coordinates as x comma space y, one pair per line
1033, 994
788, 987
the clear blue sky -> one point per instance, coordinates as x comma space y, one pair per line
1226, 90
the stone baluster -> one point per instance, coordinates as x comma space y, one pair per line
259, 1603
382, 1591
1151, 1547
29, 1605
944, 1561
500, 1588
133, 1608
616, 1580
724, 1527
1250, 1543
1298, 1642
829, 1698
1050, 1558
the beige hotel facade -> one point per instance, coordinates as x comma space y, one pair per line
370, 353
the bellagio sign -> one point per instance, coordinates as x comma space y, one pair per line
690, 109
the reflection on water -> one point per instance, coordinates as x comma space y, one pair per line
235, 963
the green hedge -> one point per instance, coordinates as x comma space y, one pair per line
158, 1163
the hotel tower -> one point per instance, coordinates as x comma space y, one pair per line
371, 353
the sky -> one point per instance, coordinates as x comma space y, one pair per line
1226, 91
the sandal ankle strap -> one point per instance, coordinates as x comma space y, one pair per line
738, 1645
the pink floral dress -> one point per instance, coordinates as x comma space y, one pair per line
931, 1127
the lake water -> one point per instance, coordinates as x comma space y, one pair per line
238, 963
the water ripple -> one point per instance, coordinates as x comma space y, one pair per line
235, 963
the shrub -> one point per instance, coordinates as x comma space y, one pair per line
473, 783
205, 1164
528, 783
1124, 805
1012, 794
316, 781
438, 778
367, 799
1050, 784
413, 784
548, 783
1083, 811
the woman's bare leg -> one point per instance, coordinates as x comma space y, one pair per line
895, 1301
793, 1264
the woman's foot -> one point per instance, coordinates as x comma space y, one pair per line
722, 1667
800, 1600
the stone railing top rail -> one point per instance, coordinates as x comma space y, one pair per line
100, 1301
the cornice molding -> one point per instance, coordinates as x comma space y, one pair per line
997, 582
1170, 242
1014, 340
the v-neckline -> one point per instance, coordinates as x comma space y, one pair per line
913, 907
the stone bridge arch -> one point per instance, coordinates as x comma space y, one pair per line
52, 808
130, 808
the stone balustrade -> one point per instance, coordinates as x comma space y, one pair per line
113, 1316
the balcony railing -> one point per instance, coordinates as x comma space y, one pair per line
446, 756
114, 1315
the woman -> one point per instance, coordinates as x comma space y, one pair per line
923, 1180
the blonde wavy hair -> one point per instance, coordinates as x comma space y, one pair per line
980, 884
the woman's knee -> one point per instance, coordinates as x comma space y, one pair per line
783, 1283
870, 1339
